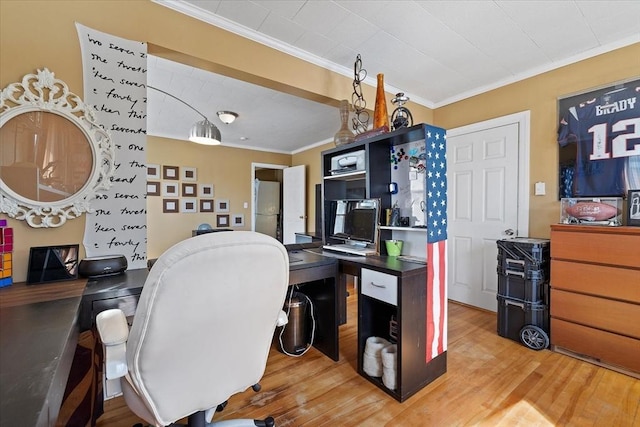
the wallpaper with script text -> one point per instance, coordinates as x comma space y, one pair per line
115, 78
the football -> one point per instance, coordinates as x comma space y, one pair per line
592, 211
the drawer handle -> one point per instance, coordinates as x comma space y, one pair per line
378, 286
515, 273
515, 261
517, 304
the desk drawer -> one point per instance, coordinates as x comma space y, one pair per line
127, 304
381, 286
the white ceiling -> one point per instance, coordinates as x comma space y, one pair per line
437, 52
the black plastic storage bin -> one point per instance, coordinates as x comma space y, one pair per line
528, 256
525, 322
515, 286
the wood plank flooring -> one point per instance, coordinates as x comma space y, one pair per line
490, 381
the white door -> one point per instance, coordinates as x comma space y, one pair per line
293, 203
482, 173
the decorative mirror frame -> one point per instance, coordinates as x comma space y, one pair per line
43, 92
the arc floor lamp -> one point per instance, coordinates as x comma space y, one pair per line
202, 132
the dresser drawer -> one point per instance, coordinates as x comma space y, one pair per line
381, 286
600, 313
600, 345
609, 282
597, 245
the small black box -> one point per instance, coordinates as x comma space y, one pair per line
513, 315
100, 266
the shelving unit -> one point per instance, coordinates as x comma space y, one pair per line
390, 287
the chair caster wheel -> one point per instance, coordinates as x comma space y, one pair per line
256, 387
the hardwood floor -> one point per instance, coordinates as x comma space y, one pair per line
490, 381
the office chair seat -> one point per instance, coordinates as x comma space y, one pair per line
203, 327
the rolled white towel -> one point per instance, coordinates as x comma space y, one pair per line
389, 378
375, 345
371, 360
389, 357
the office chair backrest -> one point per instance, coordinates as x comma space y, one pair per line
205, 321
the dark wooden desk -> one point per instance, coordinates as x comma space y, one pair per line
39, 333
40, 325
317, 277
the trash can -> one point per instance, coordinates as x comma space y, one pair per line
294, 338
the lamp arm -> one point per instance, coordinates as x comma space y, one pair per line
178, 99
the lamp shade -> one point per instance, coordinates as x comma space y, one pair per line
205, 132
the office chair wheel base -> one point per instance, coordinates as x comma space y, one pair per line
256, 387
267, 422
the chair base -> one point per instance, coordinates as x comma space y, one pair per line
198, 420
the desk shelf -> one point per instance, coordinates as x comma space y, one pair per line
407, 229
374, 314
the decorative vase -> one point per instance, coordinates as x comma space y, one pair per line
344, 134
380, 113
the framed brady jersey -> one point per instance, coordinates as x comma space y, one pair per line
599, 142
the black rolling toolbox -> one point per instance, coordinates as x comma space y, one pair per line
523, 291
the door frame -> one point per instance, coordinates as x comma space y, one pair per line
523, 119
254, 167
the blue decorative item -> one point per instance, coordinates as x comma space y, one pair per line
205, 226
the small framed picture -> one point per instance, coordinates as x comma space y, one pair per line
153, 188
153, 171
206, 190
222, 205
170, 206
170, 189
237, 220
633, 208
170, 172
189, 205
189, 174
206, 205
189, 190
222, 220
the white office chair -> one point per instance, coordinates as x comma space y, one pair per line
202, 330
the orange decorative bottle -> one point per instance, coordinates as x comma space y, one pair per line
380, 113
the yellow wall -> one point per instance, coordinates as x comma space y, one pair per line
36, 34
540, 94
228, 169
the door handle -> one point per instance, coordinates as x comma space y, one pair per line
509, 232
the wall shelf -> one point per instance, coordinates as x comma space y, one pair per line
348, 176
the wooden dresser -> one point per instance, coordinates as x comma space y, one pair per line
595, 294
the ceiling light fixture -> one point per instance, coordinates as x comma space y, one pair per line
202, 132
227, 117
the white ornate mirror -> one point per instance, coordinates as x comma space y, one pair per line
54, 156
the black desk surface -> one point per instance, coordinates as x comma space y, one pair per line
374, 262
37, 345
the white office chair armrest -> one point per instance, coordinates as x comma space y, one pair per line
114, 332
282, 319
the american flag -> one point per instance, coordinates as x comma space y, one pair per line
436, 207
